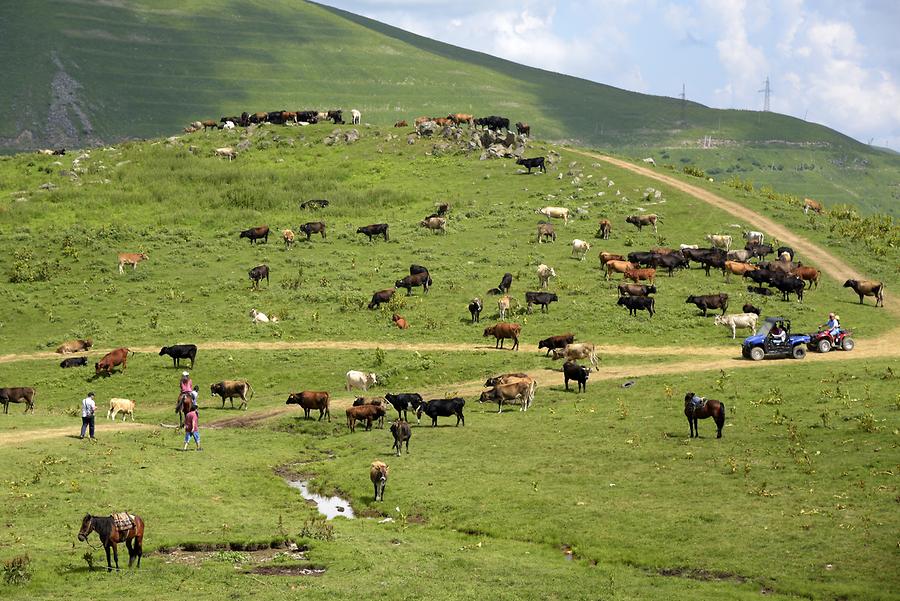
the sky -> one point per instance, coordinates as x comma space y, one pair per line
831, 62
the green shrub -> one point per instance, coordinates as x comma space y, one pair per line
17, 571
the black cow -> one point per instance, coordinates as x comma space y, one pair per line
640, 258
258, 273
412, 281
759, 250
709, 301
493, 122
308, 116
443, 408
748, 308
540, 298
382, 296
336, 116
475, 308
401, 433
377, 229
761, 276
179, 352
417, 269
579, 373
670, 262
73, 362
554, 342
636, 289
255, 233
788, 284
784, 249
759, 290
534, 163
505, 283
637, 303
313, 227
404, 401
314, 204
713, 259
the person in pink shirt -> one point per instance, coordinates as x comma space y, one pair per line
191, 429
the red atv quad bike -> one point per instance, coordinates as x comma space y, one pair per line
823, 341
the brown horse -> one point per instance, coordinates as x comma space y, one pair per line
110, 536
183, 406
708, 408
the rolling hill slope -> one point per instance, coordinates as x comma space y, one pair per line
93, 71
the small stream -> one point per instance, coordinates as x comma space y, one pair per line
330, 507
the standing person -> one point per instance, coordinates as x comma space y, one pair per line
191, 428
87, 415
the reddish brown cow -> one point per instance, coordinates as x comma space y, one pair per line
605, 229
502, 331
617, 266
444, 122
112, 359
367, 413
401, 124
807, 274
460, 118
636, 275
309, 400
17, 395
606, 257
401, 323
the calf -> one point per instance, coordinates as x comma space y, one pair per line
544, 273
738, 320
75, 346
256, 233
309, 400
435, 224
382, 296
377, 229
403, 402
636, 275
523, 129
400, 322
579, 373
288, 236
413, 281
867, 288
443, 408
555, 342
313, 227
475, 307
636, 290
401, 432
546, 232
709, 301
502, 331
605, 229
378, 473
366, 413
535, 163
131, 259
73, 362
578, 351
748, 308
111, 359
179, 352
17, 395
228, 389
637, 303
639, 221
257, 274
580, 248
503, 306
540, 298
126, 406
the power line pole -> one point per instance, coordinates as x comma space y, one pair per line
683, 102
768, 92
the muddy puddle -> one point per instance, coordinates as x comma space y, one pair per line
330, 507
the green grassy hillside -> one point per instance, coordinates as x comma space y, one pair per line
86, 72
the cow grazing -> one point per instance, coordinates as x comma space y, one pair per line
131, 259
544, 273
179, 352
359, 379
738, 268
378, 473
17, 395
75, 346
502, 331
807, 274
555, 213
228, 389
722, 241
637, 303
577, 352
73, 362
382, 296
401, 124
579, 373
636, 275
639, 221
401, 432
226, 152
534, 163
605, 229
505, 283
288, 237
540, 298
111, 359
511, 391
649, 161
503, 306
493, 122
316, 203
811, 205
738, 320
640, 258
580, 249
377, 229
414, 281
403, 402
257, 274
366, 413
435, 224
617, 266
443, 408
636, 290
523, 129
313, 227
709, 301
780, 252
400, 322
545, 232
125, 406
355, 116
475, 307
309, 400
748, 308
336, 116
867, 288
555, 342
256, 233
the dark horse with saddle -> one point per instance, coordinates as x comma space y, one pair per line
184, 405
696, 408
115, 529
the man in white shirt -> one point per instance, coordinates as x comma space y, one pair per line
87, 414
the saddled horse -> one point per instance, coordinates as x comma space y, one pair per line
707, 408
183, 406
110, 536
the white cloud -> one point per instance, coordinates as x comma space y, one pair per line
745, 64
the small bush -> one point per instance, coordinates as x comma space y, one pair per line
694, 171
17, 571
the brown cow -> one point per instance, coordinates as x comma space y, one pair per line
545, 231
17, 395
738, 268
867, 288
75, 346
605, 229
401, 323
617, 266
309, 400
636, 290
255, 233
662, 250
460, 118
807, 274
228, 389
811, 205
639, 221
502, 331
131, 259
209, 124
420, 120
442, 122
401, 124
118, 356
606, 257
367, 413
636, 275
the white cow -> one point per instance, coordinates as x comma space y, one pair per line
228, 125
580, 248
226, 153
359, 379
257, 317
503, 305
356, 116
126, 406
650, 161
738, 255
753, 237
556, 212
544, 273
576, 351
688, 246
738, 320
720, 241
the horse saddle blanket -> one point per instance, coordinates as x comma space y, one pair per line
123, 521
697, 403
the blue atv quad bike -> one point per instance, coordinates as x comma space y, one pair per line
763, 344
